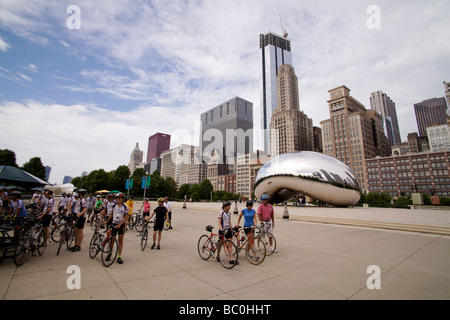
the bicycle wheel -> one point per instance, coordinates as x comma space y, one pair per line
130, 222
62, 239
41, 242
110, 251
166, 225
70, 238
270, 248
22, 249
139, 224
94, 245
55, 232
144, 239
228, 254
204, 247
256, 252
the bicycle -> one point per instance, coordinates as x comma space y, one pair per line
7, 241
265, 235
144, 234
31, 237
213, 244
67, 234
255, 249
130, 222
139, 222
109, 248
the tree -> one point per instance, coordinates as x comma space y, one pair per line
194, 192
8, 158
96, 180
137, 176
183, 191
156, 185
35, 167
169, 187
205, 189
118, 178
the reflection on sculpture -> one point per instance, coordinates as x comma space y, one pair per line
314, 174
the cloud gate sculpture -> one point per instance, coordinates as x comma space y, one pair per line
310, 173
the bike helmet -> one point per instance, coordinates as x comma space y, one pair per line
161, 200
226, 203
75, 195
120, 195
249, 203
265, 197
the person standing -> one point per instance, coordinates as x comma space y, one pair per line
224, 221
17, 211
90, 201
118, 218
250, 220
168, 206
79, 210
161, 215
266, 215
146, 208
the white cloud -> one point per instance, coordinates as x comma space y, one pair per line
181, 58
4, 46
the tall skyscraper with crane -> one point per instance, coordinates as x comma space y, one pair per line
275, 52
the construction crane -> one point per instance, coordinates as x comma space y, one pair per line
285, 34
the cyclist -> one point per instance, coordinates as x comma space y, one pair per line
47, 213
130, 205
160, 214
97, 207
90, 206
17, 211
118, 217
108, 203
224, 220
62, 202
250, 220
79, 209
145, 208
266, 215
250, 217
168, 205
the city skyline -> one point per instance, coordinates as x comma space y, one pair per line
81, 98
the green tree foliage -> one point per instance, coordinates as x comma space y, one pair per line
118, 178
183, 191
35, 167
8, 158
205, 189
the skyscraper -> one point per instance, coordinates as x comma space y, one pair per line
431, 111
380, 102
353, 133
290, 129
275, 52
157, 144
228, 127
135, 158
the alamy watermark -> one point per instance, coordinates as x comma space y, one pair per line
74, 280
74, 20
374, 281
374, 20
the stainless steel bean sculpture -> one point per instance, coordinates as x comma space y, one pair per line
310, 173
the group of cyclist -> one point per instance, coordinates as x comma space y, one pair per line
114, 212
264, 214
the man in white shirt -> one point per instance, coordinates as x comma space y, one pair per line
168, 206
79, 209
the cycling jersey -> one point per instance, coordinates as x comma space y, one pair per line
225, 219
119, 212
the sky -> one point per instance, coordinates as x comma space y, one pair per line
81, 82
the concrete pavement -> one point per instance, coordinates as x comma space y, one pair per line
315, 261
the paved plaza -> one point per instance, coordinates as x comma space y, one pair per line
323, 261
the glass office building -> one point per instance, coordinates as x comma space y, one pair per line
275, 51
